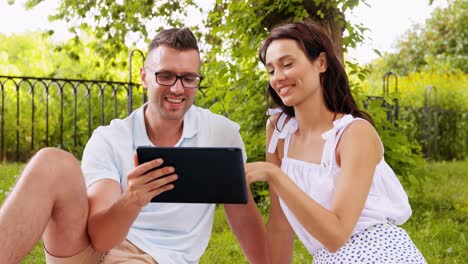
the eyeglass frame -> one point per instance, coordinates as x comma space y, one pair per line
177, 77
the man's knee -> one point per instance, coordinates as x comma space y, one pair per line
55, 155
53, 163
55, 158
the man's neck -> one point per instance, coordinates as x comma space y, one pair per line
162, 132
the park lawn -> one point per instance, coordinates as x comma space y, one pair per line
438, 224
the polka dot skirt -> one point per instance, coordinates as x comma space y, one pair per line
379, 244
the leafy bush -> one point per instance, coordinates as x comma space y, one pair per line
433, 109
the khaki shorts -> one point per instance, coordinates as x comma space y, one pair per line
124, 252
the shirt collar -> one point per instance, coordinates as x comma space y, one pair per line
140, 137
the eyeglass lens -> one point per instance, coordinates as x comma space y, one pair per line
188, 81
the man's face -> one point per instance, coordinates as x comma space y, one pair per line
170, 102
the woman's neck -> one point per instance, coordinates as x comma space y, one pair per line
314, 116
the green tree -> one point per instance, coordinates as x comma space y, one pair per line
115, 22
441, 43
35, 54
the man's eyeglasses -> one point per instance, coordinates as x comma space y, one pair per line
169, 79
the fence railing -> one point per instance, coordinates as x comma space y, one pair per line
38, 112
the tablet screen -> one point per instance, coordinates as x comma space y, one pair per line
205, 174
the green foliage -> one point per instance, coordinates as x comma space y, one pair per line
117, 23
400, 153
425, 99
35, 54
441, 44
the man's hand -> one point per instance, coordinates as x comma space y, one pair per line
143, 184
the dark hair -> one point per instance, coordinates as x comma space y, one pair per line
177, 38
313, 41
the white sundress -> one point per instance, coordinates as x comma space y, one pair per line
376, 237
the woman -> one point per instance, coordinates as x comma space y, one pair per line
328, 179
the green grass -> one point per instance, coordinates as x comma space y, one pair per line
440, 208
223, 246
438, 225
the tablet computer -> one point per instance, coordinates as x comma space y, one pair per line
205, 174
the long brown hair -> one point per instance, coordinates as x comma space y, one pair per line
313, 41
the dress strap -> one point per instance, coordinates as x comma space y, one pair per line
331, 138
281, 129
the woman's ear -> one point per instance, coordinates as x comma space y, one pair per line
322, 62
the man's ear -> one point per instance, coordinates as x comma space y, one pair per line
322, 62
143, 77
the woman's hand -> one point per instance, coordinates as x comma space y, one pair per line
261, 171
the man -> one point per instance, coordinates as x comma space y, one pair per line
110, 210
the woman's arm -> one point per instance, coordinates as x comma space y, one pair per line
280, 235
358, 153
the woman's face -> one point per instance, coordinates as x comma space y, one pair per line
293, 76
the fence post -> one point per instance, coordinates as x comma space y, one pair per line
431, 112
17, 119
130, 86
31, 91
3, 149
392, 112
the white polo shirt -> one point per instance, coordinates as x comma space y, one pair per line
169, 232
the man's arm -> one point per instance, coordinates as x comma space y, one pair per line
248, 227
112, 213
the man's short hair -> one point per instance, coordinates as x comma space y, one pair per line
177, 38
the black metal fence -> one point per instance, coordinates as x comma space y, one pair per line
38, 112
444, 132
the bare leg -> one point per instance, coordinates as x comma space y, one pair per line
49, 199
